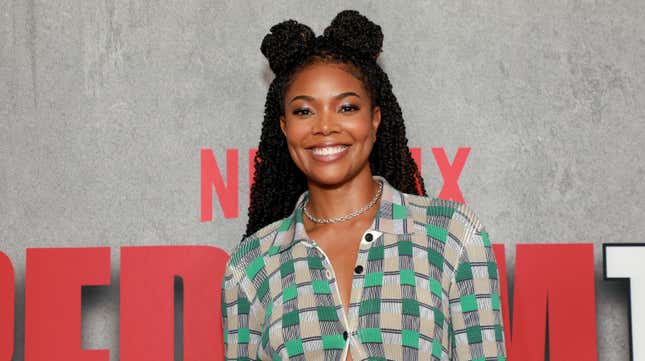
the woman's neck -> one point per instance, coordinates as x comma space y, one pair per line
341, 200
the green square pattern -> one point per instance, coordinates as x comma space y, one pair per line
468, 303
321, 287
405, 248
370, 335
474, 334
464, 272
410, 338
440, 211
333, 342
373, 279
399, 211
437, 232
376, 253
286, 268
327, 313
294, 347
435, 258
436, 348
435, 287
243, 335
410, 307
255, 267
367, 307
290, 319
492, 270
289, 293
407, 277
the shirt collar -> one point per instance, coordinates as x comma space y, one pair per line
391, 217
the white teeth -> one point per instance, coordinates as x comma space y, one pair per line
328, 150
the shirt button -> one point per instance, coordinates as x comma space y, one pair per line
369, 237
345, 335
358, 269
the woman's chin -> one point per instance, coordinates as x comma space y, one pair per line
329, 179
334, 178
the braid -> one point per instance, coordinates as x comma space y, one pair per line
352, 40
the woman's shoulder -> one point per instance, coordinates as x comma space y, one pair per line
457, 218
254, 247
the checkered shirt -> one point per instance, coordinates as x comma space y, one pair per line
427, 289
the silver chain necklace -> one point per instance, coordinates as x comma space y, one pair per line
379, 191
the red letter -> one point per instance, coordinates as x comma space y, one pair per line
450, 173
147, 302
558, 278
54, 277
416, 155
7, 296
211, 176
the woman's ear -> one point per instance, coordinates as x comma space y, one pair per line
283, 124
376, 121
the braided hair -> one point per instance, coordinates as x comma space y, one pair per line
355, 42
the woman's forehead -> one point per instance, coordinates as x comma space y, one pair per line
326, 77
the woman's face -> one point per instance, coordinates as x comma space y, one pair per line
328, 124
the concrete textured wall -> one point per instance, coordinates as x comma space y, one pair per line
104, 107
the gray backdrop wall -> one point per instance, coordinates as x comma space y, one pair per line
105, 105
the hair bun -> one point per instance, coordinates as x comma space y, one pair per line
287, 41
352, 30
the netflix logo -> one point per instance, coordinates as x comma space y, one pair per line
228, 190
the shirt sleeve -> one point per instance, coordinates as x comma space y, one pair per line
241, 329
475, 303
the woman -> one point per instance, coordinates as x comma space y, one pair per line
365, 266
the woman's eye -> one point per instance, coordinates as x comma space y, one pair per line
349, 108
301, 111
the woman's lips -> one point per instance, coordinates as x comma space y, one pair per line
329, 154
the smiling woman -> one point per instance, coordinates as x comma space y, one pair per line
344, 256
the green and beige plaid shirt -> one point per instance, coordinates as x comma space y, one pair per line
425, 287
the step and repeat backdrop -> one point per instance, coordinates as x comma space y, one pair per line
127, 130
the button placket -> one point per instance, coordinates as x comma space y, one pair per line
350, 318
329, 273
349, 332
367, 239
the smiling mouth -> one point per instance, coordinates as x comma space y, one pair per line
328, 150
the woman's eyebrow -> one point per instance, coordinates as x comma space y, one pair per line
339, 96
346, 94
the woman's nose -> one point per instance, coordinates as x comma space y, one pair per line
325, 123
